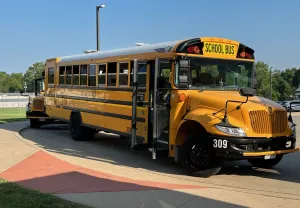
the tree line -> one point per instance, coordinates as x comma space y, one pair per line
284, 83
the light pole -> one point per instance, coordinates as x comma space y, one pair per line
98, 24
25, 86
271, 97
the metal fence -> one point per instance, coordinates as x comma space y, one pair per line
14, 100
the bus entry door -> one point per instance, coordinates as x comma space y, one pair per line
161, 103
140, 105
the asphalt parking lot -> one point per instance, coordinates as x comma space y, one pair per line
109, 153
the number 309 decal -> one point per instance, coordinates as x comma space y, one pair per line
219, 143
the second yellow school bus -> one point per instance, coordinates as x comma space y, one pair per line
193, 98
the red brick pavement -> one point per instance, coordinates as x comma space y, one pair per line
46, 173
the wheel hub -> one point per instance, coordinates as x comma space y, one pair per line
199, 157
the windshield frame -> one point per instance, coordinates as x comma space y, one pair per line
240, 61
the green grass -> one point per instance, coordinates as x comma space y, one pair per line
15, 196
8, 115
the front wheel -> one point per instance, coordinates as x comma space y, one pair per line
262, 163
198, 158
35, 123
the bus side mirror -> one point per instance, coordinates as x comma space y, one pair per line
247, 92
183, 74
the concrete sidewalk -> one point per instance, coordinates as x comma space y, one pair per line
24, 162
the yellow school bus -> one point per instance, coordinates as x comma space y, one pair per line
193, 98
35, 109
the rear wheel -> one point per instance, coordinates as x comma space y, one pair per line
35, 123
198, 158
262, 163
79, 132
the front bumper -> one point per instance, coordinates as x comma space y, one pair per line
241, 148
36, 114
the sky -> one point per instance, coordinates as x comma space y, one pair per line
34, 30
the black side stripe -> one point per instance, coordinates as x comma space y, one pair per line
140, 139
96, 100
141, 89
139, 119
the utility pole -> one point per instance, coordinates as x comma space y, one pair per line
98, 25
271, 83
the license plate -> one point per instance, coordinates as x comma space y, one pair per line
42, 119
268, 157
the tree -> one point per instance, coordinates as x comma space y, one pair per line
3, 82
296, 79
32, 73
263, 79
282, 90
288, 75
15, 82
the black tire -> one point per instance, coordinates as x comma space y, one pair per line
35, 123
205, 163
262, 163
75, 127
79, 132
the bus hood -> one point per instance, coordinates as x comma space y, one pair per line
253, 116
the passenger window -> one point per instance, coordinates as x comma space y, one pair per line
112, 74
68, 75
76, 75
102, 74
51, 76
62, 75
142, 74
194, 73
164, 74
83, 75
123, 74
92, 75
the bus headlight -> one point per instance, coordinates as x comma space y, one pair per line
27, 108
293, 127
231, 130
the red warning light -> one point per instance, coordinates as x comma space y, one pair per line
247, 55
196, 49
190, 49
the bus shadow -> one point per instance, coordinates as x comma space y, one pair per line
96, 191
110, 148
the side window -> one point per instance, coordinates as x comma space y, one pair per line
112, 74
83, 75
62, 75
68, 75
92, 75
164, 74
123, 74
51, 76
142, 74
76, 75
194, 73
102, 74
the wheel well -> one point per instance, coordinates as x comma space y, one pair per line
186, 128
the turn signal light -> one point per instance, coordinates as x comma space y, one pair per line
182, 97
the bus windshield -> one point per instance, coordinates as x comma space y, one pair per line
216, 74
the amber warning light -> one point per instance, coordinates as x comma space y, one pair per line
182, 97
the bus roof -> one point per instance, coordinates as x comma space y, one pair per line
164, 47
158, 47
